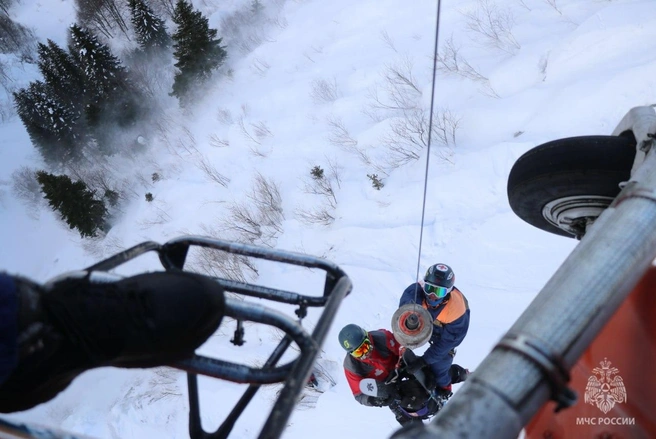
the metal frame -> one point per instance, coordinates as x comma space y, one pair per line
294, 374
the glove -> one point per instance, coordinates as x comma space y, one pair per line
458, 374
379, 401
415, 365
387, 391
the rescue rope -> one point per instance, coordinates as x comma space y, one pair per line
428, 146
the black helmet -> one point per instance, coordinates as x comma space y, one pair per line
351, 337
440, 275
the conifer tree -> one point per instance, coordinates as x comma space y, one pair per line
74, 202
62, 75
109, 95
196, 49
24, 101
150, 29
50, 124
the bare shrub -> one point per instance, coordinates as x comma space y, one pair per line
114, 244
400, 76
99, 176
162, 384
187, 142
244, 131
320, 215
142, 177
449, 60
181, 145
335, 172
93, 245
409, 134
224, 116
494, 25
26, 188
3, 192
5, 80
371, 112
400, 88
159, 216
488, 90
445, 125
16, 38
163, 127
104, 16
324, 91
243, 28
387, 40
244, 222
261, 221
218, 142
149, 76
210, 171
261, 130
339, 135
249, 42
323, 380
219, 263
524, 5
542, 65
260, 67
280, 21
6, 110
554, 5
320, 184
268, 201
255, 133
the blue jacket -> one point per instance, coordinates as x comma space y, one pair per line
450, 325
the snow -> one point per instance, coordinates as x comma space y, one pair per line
579, 70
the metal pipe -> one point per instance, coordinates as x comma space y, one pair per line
515, 380
277, 420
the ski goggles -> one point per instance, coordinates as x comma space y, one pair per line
363, 349
435, 292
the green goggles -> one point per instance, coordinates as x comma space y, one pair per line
435, 292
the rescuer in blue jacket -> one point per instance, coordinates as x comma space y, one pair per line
450, 312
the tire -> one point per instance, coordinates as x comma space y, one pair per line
564, 185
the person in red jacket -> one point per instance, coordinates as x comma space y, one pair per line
373, 354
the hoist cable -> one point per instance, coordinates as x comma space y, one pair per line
428, 146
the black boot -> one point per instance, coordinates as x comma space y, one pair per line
458, 374
401, 417
80, 322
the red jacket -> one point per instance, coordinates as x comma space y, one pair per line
378, 365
